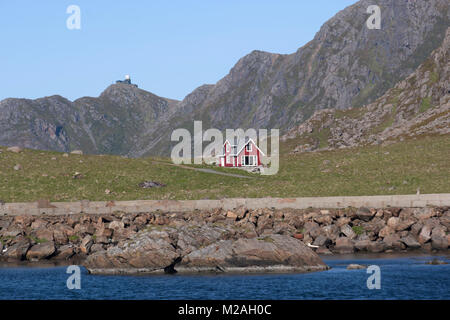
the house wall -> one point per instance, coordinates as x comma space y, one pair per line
253, 152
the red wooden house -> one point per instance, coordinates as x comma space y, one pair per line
246, 155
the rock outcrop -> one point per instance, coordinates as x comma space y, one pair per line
275, 252
219, 240
418, 105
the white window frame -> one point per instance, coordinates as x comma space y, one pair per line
248, 147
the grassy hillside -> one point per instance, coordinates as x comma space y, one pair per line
398, 168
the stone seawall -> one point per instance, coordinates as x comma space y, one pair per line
221, 239
137, 206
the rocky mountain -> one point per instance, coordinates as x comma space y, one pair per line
418, 105
120, 121
345, 65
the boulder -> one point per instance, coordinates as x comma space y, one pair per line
432, 222
84, 229
324, 219
436, 262
44, 234
104, 232
38, 224
361, 245
114, 225
392, 241
348, 231
404, 224
423, 213
231, 215
24, 221
64, 252
86, 244
321, 241
147, 251
344, 245
354, 266
375, 225
342, 221
393, 222
425, 234
439, 242
416, 228
41, 251
410, 242
386, 231
376, 246
324, 251
365, 214
141, 220
331, 232
445, 219
439, 231
59, 236
78, 152
14, 149
96, 247
11, 232
17, 251
272, 253
265, 222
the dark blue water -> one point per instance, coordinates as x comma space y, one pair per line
401, 278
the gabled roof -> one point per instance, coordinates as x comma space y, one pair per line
246, 143
242, 147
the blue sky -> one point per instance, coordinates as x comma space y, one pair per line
168, 47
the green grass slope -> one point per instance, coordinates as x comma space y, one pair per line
398, 168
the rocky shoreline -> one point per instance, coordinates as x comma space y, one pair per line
263, 240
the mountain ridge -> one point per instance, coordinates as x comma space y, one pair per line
345, 65
418, 105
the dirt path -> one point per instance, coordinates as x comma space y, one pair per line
202, 170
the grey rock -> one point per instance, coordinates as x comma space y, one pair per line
356, 267
272, 253
348, 231
344, 245
364, 214
41, 251
410, 242
17, 251
439, 242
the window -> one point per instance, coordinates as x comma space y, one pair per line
248, 147
228, 159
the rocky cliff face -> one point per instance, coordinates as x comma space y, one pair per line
122, 120
418, 105
345, 65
